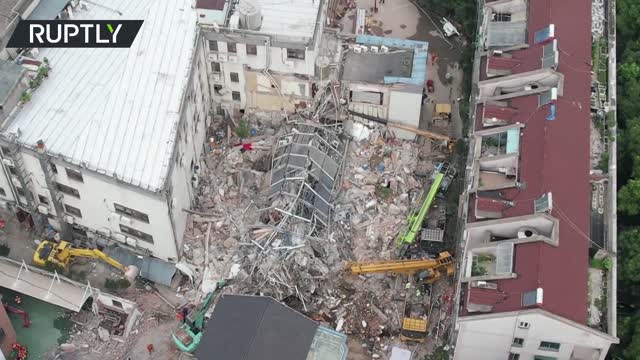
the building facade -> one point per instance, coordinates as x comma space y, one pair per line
526, 283
262, 56
107, 149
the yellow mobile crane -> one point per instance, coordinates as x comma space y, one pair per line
62, 255
414, 328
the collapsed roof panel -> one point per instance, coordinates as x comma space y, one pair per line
306, 165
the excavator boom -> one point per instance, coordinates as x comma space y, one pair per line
402, 266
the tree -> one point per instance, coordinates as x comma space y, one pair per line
629, 198
629, 257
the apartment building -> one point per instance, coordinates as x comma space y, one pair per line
106, 149
261, 54
526, 284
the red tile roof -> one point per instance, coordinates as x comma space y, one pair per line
502, 113
555, 158
487, 204
502, 63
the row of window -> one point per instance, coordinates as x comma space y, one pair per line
515, 356
544, 345
292, 54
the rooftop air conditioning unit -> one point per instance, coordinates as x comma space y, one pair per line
7, 162
384, 49
43, 209
364, 48
374, 49
357, 49
222, 57
131, 241
119, 237
69, 219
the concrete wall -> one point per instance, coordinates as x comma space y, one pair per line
14, 97
246, 65
405, 108
491, 336
210, 17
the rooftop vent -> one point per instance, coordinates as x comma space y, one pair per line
250, 15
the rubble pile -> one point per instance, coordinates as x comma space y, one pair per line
268, 239
597, 18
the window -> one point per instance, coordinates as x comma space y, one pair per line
517, 342
252, 49
296, 54
213, 45
20, 191
369, 97
2, 192
529, 298
524, 325
136, 234
234, 77
68, 190
12, 170
216, 89
215, 67
131, 213
117, 303
43, 199
550, 346
231, 47
54, 168
73, 210
6, 151
78, 231
540, 357
74, 175
514, 356
501, 17
235, 95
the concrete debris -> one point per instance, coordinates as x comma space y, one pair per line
598, 19
285, 221
103, 334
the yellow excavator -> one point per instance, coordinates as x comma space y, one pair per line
62, 255
414, 328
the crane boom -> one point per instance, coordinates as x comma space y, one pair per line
415, 221
403, 266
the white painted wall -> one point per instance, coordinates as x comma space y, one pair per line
491, 337
405, 108
278, 63
210, 17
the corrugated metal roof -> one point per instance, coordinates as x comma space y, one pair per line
115, 111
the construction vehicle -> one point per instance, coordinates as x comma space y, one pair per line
414, 225
441, 113
187, 336
62, 255
415, 319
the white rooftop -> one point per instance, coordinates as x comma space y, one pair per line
116, 111
289, 18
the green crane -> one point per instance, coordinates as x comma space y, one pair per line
408, 235
187, 336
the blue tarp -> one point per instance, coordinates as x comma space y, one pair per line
552, 112
420, 57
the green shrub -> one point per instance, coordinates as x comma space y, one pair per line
242, 130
